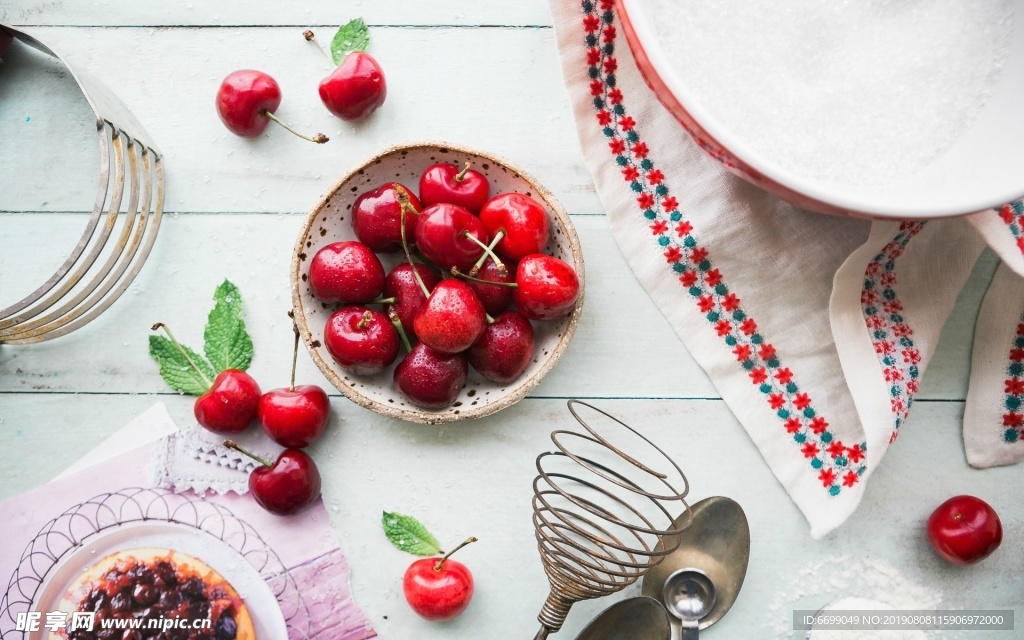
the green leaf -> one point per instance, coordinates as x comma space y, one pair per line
176, 370
353, 36
406, 533
227, 344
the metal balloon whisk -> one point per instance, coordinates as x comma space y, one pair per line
599, 514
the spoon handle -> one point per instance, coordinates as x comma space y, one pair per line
690, 632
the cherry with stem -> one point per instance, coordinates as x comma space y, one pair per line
488, 251
403, 201
308, 34
397, 322
469, 540
318, 138
231, 444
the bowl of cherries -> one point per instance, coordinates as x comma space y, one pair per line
435, 283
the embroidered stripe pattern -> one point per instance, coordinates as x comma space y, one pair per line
1011, 214
1013, 419
891, 335
837, 465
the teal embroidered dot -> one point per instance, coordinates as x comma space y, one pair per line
1012, 403
889, 294
1011, 435
906, 342
608, 132
721, 289
632, 136
1019, 343
816, 463
695, 291
635, 186
748, 364
808, 412
609, 49
606, 16
738, 315
621, 161
870, 311
800, 438
704, 265
766, 388
890, 265
1016, 369
879, 335
773, 363
783, 413
841, 461
591, 40
690, 242
896, 318
676, 216
791, 387
678, 267
888, 361
593, 72
894, 391
730, 340
588, 6
914, 371
826, 437
663, 241
756, 338
833, 490
650, 215
610, 81
661, 190
712, 316
869, 285
646, 164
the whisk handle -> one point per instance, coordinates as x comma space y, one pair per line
542, 634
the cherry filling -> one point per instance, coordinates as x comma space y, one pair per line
155, 592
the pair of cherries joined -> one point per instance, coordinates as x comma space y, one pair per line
479, 255
247, 99
293, 416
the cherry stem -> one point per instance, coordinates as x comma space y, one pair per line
365, 320
231, 444
490, 318
311, 38
465, 276
318, 138
184, 353
460, 176
437, 567
404, 205
488, 251
295, 358
391, 300
397, 323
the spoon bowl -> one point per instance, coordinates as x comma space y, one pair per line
689, 595
717, 544
641, 618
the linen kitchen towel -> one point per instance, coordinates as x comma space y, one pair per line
816, 330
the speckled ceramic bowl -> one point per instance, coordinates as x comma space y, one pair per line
330, 221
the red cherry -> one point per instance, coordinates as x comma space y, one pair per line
287, 485
429, 378
546, 287
495, 298
356, 88
443, 236
452, 318
246, 102
376, 217
230, 404
438, 591
965, 530
505, 349
346, 272
361, 340
523, 220
444, 182
295, 417
402, 286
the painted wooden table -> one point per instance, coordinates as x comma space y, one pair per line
485, 74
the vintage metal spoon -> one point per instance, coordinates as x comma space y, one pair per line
689, 596
717, 543
639, 618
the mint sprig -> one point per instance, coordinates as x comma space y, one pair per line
227, 345
177, 371
354, 36
409, 535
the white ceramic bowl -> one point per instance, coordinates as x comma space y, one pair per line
983, 168
330, 221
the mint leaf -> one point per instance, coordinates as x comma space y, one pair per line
353, 36
406, 533
176, 370
227, 344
